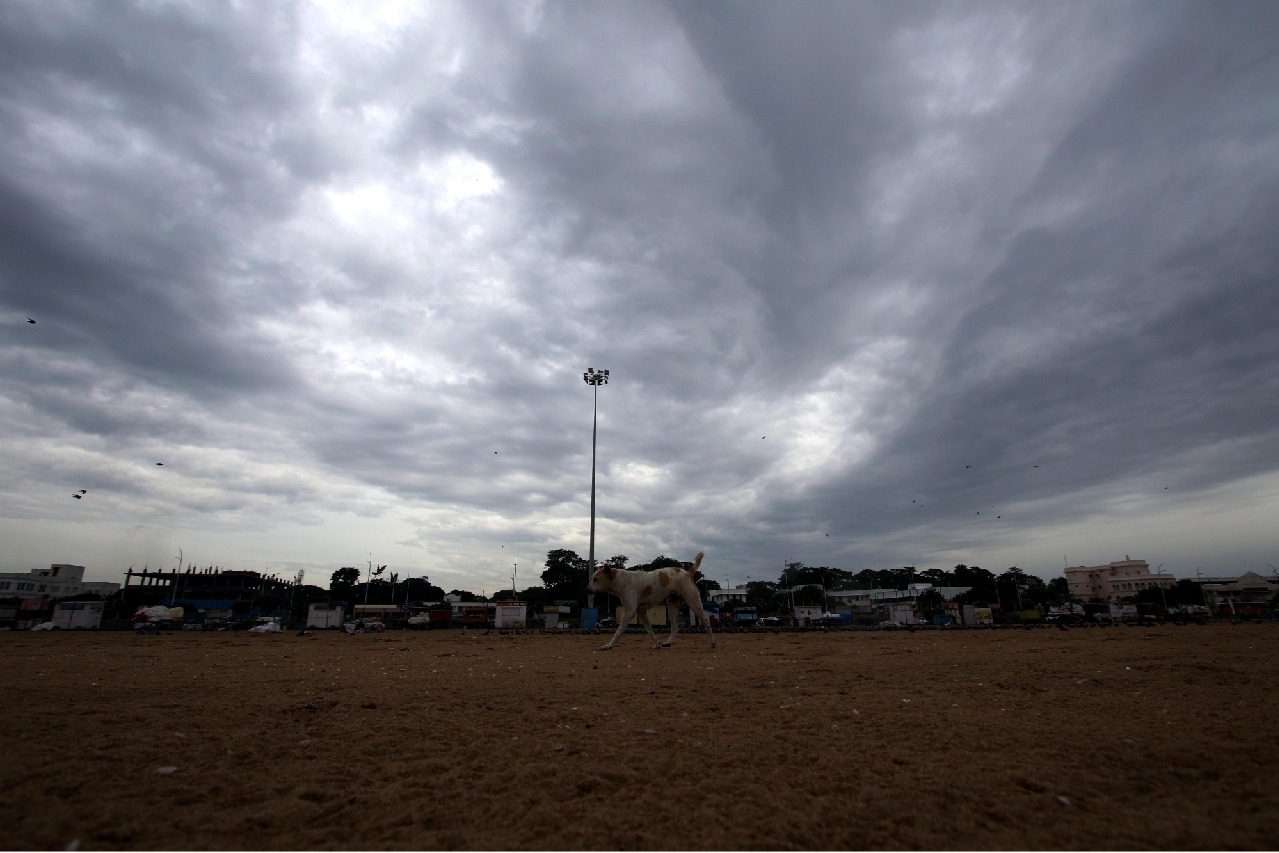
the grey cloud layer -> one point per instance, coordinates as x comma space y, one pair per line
896, 240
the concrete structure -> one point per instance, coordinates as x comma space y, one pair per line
867, 598
1115, 581
1249, 594
510, 614
730, 593
60, 580
326, 615
78, 615
206, 588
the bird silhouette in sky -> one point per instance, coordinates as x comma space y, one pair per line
77, 497
32, 322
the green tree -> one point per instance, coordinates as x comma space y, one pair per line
342, 583
981, 581
1059, 591
930, 604
565, 576
705, 585
1019, 591
662, 562
419, 589
937, 577
761, 595
535, 597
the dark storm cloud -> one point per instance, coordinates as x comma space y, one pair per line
1116, 341
355, 261
119, 252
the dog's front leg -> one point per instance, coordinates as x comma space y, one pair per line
649, 627
621, 626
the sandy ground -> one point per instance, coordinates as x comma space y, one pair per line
1115, 738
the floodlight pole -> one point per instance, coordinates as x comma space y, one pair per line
594, 378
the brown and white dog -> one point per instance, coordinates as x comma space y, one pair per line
641, 590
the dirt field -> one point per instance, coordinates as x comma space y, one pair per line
1114, 738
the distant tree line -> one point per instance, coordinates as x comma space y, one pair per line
564, 578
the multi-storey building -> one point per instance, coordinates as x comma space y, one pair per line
1115, 581
60, 580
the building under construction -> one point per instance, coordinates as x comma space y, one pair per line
207, 589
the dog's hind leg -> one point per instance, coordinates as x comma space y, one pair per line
648, 626
696, 607
672, 615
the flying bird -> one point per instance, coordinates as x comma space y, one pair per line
968, 466
161, 464
32, 322
77, 497
84, 491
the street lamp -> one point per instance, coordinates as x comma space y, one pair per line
594, 378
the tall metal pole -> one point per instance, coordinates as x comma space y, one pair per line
594, 378
174, 597
790, 590
590, 560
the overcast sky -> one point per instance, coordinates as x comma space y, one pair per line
878, 284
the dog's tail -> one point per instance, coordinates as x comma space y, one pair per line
697, 563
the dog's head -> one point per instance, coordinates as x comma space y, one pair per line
602, 580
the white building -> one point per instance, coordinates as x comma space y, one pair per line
1115, 581
874, 597
731, 593
58, 581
